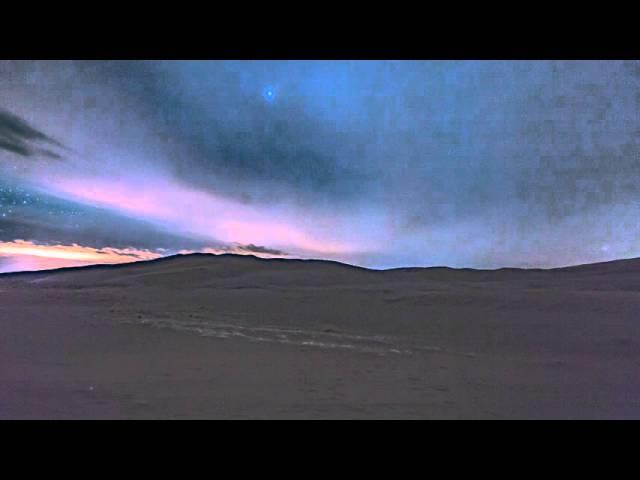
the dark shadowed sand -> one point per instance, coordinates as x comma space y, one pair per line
238, 337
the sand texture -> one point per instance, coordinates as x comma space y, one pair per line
238, 337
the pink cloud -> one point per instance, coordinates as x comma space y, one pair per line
195, 213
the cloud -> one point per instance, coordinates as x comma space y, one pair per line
182, 209
226, 133
22, 255
20, 138
239, 249
259, 249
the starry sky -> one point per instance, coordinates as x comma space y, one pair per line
383, 164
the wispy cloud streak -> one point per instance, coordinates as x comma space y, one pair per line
19, 137
23, 255
195, 213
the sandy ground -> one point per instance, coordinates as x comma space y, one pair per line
238, 337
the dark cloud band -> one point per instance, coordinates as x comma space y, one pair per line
20, 138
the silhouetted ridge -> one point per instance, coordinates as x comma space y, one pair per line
614, 266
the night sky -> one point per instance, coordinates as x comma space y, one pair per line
383, 164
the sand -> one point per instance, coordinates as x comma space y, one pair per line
236, 337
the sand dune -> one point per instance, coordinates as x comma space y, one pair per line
227, 336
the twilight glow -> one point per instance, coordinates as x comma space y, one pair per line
23, 255
172, 207
382, 164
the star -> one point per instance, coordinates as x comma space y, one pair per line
269, 94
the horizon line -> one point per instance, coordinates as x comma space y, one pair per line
318, 260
